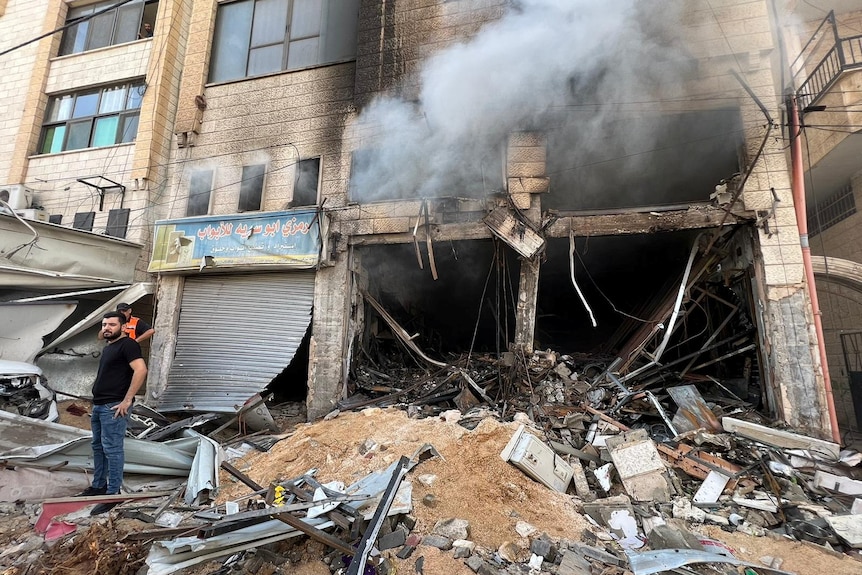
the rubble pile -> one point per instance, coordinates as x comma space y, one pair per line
575, 493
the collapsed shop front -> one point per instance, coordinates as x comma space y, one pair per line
663, 309
235, 300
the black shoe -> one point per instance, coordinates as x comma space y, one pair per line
92, 491
104, 508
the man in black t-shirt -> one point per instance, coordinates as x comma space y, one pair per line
121, 374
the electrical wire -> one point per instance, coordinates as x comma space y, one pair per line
67, 25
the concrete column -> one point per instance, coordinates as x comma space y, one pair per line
525, 313
328, 345
526, 166
163, 345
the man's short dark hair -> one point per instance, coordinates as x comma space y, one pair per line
117, 315
123, 306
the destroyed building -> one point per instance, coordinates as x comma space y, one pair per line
317, 184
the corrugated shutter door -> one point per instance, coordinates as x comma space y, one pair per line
235, 334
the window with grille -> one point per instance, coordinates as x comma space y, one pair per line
823, 215
92, 118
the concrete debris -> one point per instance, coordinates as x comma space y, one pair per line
646, 471
452, 528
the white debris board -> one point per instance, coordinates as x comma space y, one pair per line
711, 488
639, 466
527, 452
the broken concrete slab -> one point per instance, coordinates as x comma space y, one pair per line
639, 466
544, 548
437, 541
838, 483
848, 528
573, 564
396, 538
780, 438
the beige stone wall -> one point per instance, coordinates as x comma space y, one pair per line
24, 73
34, 72
111, 64
842, 313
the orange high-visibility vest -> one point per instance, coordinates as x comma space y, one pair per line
131, 328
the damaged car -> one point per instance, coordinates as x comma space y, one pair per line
23, 391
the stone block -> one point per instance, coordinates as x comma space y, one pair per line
526, 169
437, 541
527, 154
528, 185
396, 538
522, 201
544, 548
526, 139
391, 225
452, 528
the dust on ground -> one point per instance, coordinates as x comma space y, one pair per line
473, 482
798, 557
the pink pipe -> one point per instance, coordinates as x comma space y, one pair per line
797, 186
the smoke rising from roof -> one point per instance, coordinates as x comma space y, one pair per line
517, 73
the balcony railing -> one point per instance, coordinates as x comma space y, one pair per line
831, 55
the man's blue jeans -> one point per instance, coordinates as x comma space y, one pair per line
108, 455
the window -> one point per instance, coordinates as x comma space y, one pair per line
251, 188
92, 118
200, 188
118, 222
254, 37
84, 221
124, 24
307, 178
839, 206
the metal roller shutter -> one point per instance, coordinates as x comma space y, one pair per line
235, 334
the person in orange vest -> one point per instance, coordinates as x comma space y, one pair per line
135, 327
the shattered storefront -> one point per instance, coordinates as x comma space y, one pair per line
236, 295
627, 300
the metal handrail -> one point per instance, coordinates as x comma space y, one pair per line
844, 54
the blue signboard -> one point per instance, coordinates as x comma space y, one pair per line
289, 239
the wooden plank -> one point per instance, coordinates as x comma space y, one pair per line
643, 222
780, 438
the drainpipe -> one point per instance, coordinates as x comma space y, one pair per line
798, 189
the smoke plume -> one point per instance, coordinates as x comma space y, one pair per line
521, 72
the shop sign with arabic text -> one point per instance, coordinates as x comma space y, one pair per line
288, 239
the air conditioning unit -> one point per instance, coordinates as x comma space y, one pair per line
18, 197
32, 214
